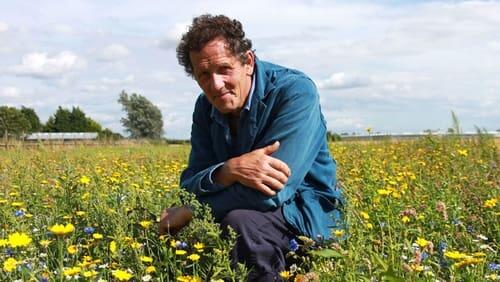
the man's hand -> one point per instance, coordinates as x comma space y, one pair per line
257, 170
173, 219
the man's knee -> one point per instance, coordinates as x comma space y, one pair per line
236, 219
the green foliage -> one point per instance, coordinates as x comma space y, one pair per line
75, 120
107, 134
456, 123
144, 120
333, 137
12, 122
32, 117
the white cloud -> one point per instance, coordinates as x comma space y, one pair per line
113, 52
63, 29
494, 46
117, 81
41, 65
162, 76
3, 27
173, 36
9, 92
105, 83
340, 80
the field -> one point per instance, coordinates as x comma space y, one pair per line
424, 210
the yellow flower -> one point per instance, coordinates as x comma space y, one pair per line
285, 275
80, 213
463, 152
188, 278
89, 273
146, 259
180, 252
4, 242
97, 236
59, 229
45, 243
135, 245
422, 242
468, 261
417, 268
150, 269
369, 225
17, 204
491, 203
85, 180
72, 249
19, 240
405, 219
146, 224
338, 233
194, 257
364, 215
122, 275
72, 271
199, 246
10, 264
384, 192
112, 247
455, 255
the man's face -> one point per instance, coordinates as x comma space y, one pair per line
221, 75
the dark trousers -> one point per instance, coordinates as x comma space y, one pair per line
263, 240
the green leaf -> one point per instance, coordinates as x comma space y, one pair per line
326, 253
390, 276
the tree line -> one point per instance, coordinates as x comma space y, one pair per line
143, 120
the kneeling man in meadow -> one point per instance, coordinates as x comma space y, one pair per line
259, 155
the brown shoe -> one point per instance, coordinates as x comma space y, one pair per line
173, 219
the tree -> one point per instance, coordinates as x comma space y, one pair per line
144, 120
332, 136
75, 120
60, 121
33, 119
12, 122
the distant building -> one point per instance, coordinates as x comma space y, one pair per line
61, 136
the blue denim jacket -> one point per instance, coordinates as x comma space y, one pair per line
284, 107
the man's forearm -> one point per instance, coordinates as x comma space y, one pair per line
222, 175
256, 170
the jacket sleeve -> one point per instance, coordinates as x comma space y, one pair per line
202, 160
298, 125
301, 130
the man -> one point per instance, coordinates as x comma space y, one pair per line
259, 155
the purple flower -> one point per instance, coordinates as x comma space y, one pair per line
19, 213
89, 230
442, 246
293, 245
424, 255
494, 266
181, 245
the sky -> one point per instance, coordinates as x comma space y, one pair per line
393, 66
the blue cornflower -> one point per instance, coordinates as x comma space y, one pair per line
424, 255
19, 213
181, 245
494, 266
442, 246
470, 229
293, 245
89, 230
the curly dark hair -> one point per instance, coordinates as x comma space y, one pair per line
204, 29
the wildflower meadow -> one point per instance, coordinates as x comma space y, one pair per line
420, 210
